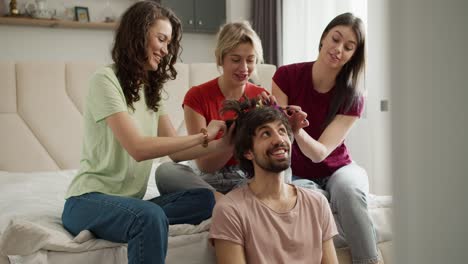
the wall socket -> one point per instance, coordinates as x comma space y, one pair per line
383, 105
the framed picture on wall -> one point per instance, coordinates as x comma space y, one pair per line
81, 14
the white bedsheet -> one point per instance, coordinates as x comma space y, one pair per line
31, 205
31, 230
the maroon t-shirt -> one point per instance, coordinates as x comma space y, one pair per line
295, 80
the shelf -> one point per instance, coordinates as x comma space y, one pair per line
54, 23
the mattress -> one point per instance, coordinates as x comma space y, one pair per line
31, 231
193, 250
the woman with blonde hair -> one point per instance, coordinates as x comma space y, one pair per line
238, 51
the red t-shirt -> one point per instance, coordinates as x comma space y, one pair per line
207, 100
295, 81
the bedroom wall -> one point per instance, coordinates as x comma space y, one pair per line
378, 88
37, 43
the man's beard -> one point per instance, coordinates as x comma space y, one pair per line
271, 165
275, 167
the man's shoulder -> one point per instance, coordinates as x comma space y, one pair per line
312, 196
233, 203
235, 197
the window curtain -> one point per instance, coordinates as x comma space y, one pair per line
304, 21
267, 22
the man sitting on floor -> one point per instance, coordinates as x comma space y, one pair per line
269, 221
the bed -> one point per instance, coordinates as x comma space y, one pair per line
40, 141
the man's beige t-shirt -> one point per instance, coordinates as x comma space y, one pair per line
269, 237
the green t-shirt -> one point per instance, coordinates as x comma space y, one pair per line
105, 166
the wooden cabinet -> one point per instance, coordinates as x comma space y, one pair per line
205, 16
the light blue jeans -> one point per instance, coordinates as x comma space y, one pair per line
144, 225
347, 190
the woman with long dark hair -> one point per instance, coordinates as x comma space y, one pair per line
327, 91
125, 127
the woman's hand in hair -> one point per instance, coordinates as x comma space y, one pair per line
267, 99
297, 118
214, 127
228, 137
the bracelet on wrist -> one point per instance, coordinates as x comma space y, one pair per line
205, 137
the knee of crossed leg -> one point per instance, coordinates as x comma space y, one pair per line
151, 219
350, 196
163, 171
206, 198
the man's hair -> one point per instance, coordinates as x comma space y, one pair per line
251, 114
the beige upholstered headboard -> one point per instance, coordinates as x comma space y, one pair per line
41, 105
40, 115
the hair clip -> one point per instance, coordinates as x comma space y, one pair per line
259, 104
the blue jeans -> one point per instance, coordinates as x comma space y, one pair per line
347, 190
144, 225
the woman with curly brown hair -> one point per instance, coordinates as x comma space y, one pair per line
125, 128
